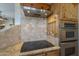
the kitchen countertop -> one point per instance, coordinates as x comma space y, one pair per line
15, 50
39, 51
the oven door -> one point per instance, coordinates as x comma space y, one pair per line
69, 49
68, 25
68, 35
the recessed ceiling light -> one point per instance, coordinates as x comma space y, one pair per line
44, 10
28, 11
46, 14
41, 10
26, 7
33, 8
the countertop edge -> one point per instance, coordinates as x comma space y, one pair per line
39, 51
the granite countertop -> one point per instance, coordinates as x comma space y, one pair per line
15, 50
40, 51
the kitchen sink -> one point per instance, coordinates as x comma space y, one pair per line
35, 45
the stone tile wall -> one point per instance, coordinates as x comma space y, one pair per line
33, 29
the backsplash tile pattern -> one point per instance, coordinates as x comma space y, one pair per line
33, 29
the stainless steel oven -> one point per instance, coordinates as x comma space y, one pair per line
68, 24
68, 38
68, 31
69, 48
68, 35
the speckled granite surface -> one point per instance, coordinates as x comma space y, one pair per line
13, 50
39, 51
10, 41
10, 37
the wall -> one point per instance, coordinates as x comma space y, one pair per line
17, 14
33, 29
8, 9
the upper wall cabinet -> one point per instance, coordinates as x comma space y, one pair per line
67, 11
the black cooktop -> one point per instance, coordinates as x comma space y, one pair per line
34, 45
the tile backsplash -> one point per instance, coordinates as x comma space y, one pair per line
33, 29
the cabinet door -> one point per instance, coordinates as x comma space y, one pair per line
53, 53
69, 11
39, 54
50, 25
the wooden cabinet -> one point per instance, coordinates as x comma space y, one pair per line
69, 11
53, 25
53, 53
44, 53
61, 12
40, 54
65, 11
48, 53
